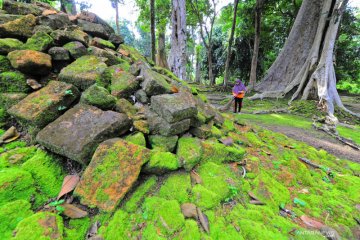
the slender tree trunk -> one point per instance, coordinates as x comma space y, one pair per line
161, 54
231, 39
177, 57
197, 68
306, 61
152, 26
68, 6
210, 65
117, 16
254, 61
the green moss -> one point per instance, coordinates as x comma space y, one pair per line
42, 225
40, 41
106, 43
189, 152
15, 184
164, 214
124, 106
219, 153
176, 187
5, 65
138, 196
77, 229
137, 138
47, 173
215, 132
11, 214
166, 72
16, 156
112, 72
98, 97
190, 231
228, 125
13, 82
119, 227
162, 143
9, 44
203, 98
12, 145
7, 100
134, 54
204, 198
353, 134
162, 162
220, 228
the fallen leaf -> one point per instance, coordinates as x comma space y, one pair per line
311, 222
189, 210
227, 141
10, 135
204, 221
174, 89
48, 12
195, 178
73, 212
33, 84
69, 184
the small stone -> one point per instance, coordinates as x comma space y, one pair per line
141, 96
76, 49
116, 39
33, 84
137, 138
115, 167
162, 143
59, 54
77, 133
161, 162
189, 152
330, 233
31, 62
189, 210
98, 97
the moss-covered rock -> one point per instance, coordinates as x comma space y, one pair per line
44, 106
16, 157
62, 37
176, 187
112, 57
115, 166
7, 100
154, 83
30, 62
101, 43
42, 225
47, 173
5, 65
76, 49
137, 138
40, 41
119, 227
19, 28
15, 184
98, 97
84, 72
161, 162
189, 151
77, 229
9, 44
13, 82
11, 214
131, 52
162, 143
21, 8
219, 153
124, 106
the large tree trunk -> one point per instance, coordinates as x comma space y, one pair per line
210, 65
177, 57
68, 6
197, 68
161, 54
306, 61
152, 27
254, 61
231, 39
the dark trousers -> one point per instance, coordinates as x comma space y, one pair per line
238, 104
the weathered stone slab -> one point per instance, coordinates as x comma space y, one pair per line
84, 72
31, 62
94, 29
174, 107
19, 28
44, 106
154, 83
62, 37
113, 170
77, 133
20, 8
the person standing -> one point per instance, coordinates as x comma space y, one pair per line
238, 92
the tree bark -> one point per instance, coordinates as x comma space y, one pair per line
197, 68
306, 61
161, 54
116, 3
152, 27
210, 65
177, 56
231, 39
254, 61
68, 6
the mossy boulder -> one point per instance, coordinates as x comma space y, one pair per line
13, 82
59, 54
115, 167
40, 41
15, 184
162, 162
16, 157
154, 83
137, 138
62, 37
47, 173
84, 72
21, 8
174, 107
98, 97
124, 106
20, 28
42, 225
11, 214
44, 106
176, 187
5, 65
9, 44
112, 57
163, 143
131, 53
77, 133
77, 229
219, 153
101, 43
189, 151
95, 29
30, 62
76, 49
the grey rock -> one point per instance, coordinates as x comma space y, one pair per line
94, 29
62, 37
154, 83
141, 96
59, 54
112, 56
76, 49
116, 39
55, 21
4, 18
13, 7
